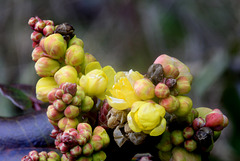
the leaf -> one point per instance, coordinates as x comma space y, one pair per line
27, 131
18, 98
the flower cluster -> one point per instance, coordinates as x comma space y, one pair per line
81, 143
135, 106
42, 156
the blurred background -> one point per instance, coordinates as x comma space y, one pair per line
131, 34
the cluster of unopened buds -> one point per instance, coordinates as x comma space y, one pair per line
68, 102
135, 106
81, 143
41, 156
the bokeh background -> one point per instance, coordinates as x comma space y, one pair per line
130, 34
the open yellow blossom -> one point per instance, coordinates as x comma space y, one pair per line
123, 95
148, 117
97, 80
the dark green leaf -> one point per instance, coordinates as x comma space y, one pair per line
18, 97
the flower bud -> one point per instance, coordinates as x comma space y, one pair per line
94, 82
54, 45
198, 123
69, 88
99, 130
48, 30
46, 67
67, 98
76, 41
87, 104
190, 145
87, 149
185, 106
68, 139
84, 126
188, 132
33, 155
53, 155
80, 92
43, 156
26, 158
177, 137
76, 151
88, 59
59, 105
183, 85
101, 155
97, 142
85, 134
162, 90
51, 95
39, 26
144, 89
66, 74
32, 21
63, 147
72, 132
35, 44
44, 86
49, 22
170, 71
76, 101
66, 123
53, 114
81, 140
36, 36
171, 103
165, 142
216, 120
53, 122
204, 138
71, 111
83, 158
59, 93
37, 53
74, 55
155, 73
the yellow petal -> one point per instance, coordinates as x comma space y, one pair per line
131, 123
91, 66
118, 76
134, 76
110, 72
148, 115
117, 103
159, 129
136, 105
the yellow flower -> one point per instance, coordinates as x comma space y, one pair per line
147, 116
123, 95
43, 86
97, 80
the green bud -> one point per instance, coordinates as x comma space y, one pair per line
97, 142
74, 55
87, 149
99, 156
76, 41
165, 142
177, 137
87, 104
99, 130
66, 123
71, 111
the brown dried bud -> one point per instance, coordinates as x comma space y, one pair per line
155, 73
66, 30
